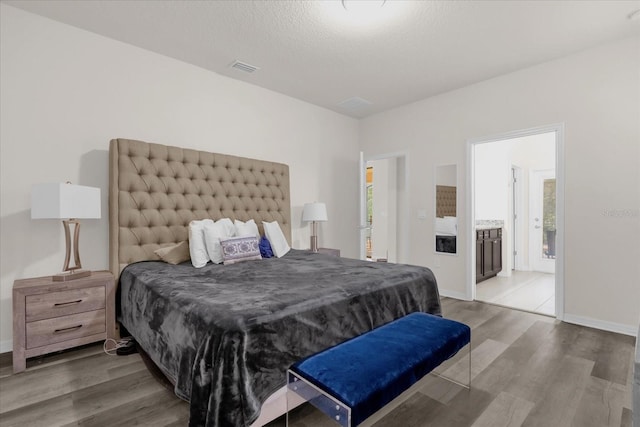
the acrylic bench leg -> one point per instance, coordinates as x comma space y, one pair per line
287, 415
469, 384
461, 384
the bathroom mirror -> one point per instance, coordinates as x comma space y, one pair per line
446, 218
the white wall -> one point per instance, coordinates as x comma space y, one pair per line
492, 172
534, 151
447, 175
67, 92
595, 94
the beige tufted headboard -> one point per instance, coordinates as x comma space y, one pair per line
445, 201
156, 190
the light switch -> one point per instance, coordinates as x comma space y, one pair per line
422, 214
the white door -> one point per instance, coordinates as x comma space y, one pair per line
542, 218
364, 229
382, 207
391, 201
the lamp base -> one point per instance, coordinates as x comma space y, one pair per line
73, 275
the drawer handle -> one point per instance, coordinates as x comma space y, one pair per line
71, 328
62, 304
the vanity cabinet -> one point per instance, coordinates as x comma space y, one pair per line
488, 253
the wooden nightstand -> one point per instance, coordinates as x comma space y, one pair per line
329, 251
50, 316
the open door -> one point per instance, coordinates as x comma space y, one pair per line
385, 204
362, 189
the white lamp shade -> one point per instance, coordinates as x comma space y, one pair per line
60, 201
314, 212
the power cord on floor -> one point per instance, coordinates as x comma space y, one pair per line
115, 345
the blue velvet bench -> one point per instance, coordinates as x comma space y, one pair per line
352, 380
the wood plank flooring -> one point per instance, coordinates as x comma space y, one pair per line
527, 370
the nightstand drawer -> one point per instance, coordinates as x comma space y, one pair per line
55, 304
50, 331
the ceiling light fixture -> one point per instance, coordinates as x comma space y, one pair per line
363, 16
363, 7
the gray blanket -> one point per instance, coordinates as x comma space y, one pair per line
225, 334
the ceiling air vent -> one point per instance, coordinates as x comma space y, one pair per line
243, 66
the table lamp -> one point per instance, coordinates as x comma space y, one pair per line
68, 202
314, 213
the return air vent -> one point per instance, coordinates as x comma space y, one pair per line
243, 66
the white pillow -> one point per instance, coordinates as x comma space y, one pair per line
246, 229
197, 248
213, 232
230, 229
275, 236
447, 226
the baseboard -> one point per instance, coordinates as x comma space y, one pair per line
453, 294
601, 324
6, 346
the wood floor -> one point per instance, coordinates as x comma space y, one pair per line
526, 369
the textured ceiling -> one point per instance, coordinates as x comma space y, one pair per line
315, 51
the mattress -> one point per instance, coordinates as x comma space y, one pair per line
225, 334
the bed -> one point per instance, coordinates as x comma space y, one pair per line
224, 335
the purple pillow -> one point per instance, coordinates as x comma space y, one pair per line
265, 248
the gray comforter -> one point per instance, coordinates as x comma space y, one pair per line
225, 334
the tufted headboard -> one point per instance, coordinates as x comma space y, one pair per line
445, 201
156, 190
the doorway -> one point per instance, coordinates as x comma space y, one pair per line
516, 190
383, 207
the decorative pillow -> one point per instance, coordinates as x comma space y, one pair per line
249, 228
197, 248
174, 254
278, 242
213, 232
238, 249
265, 248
